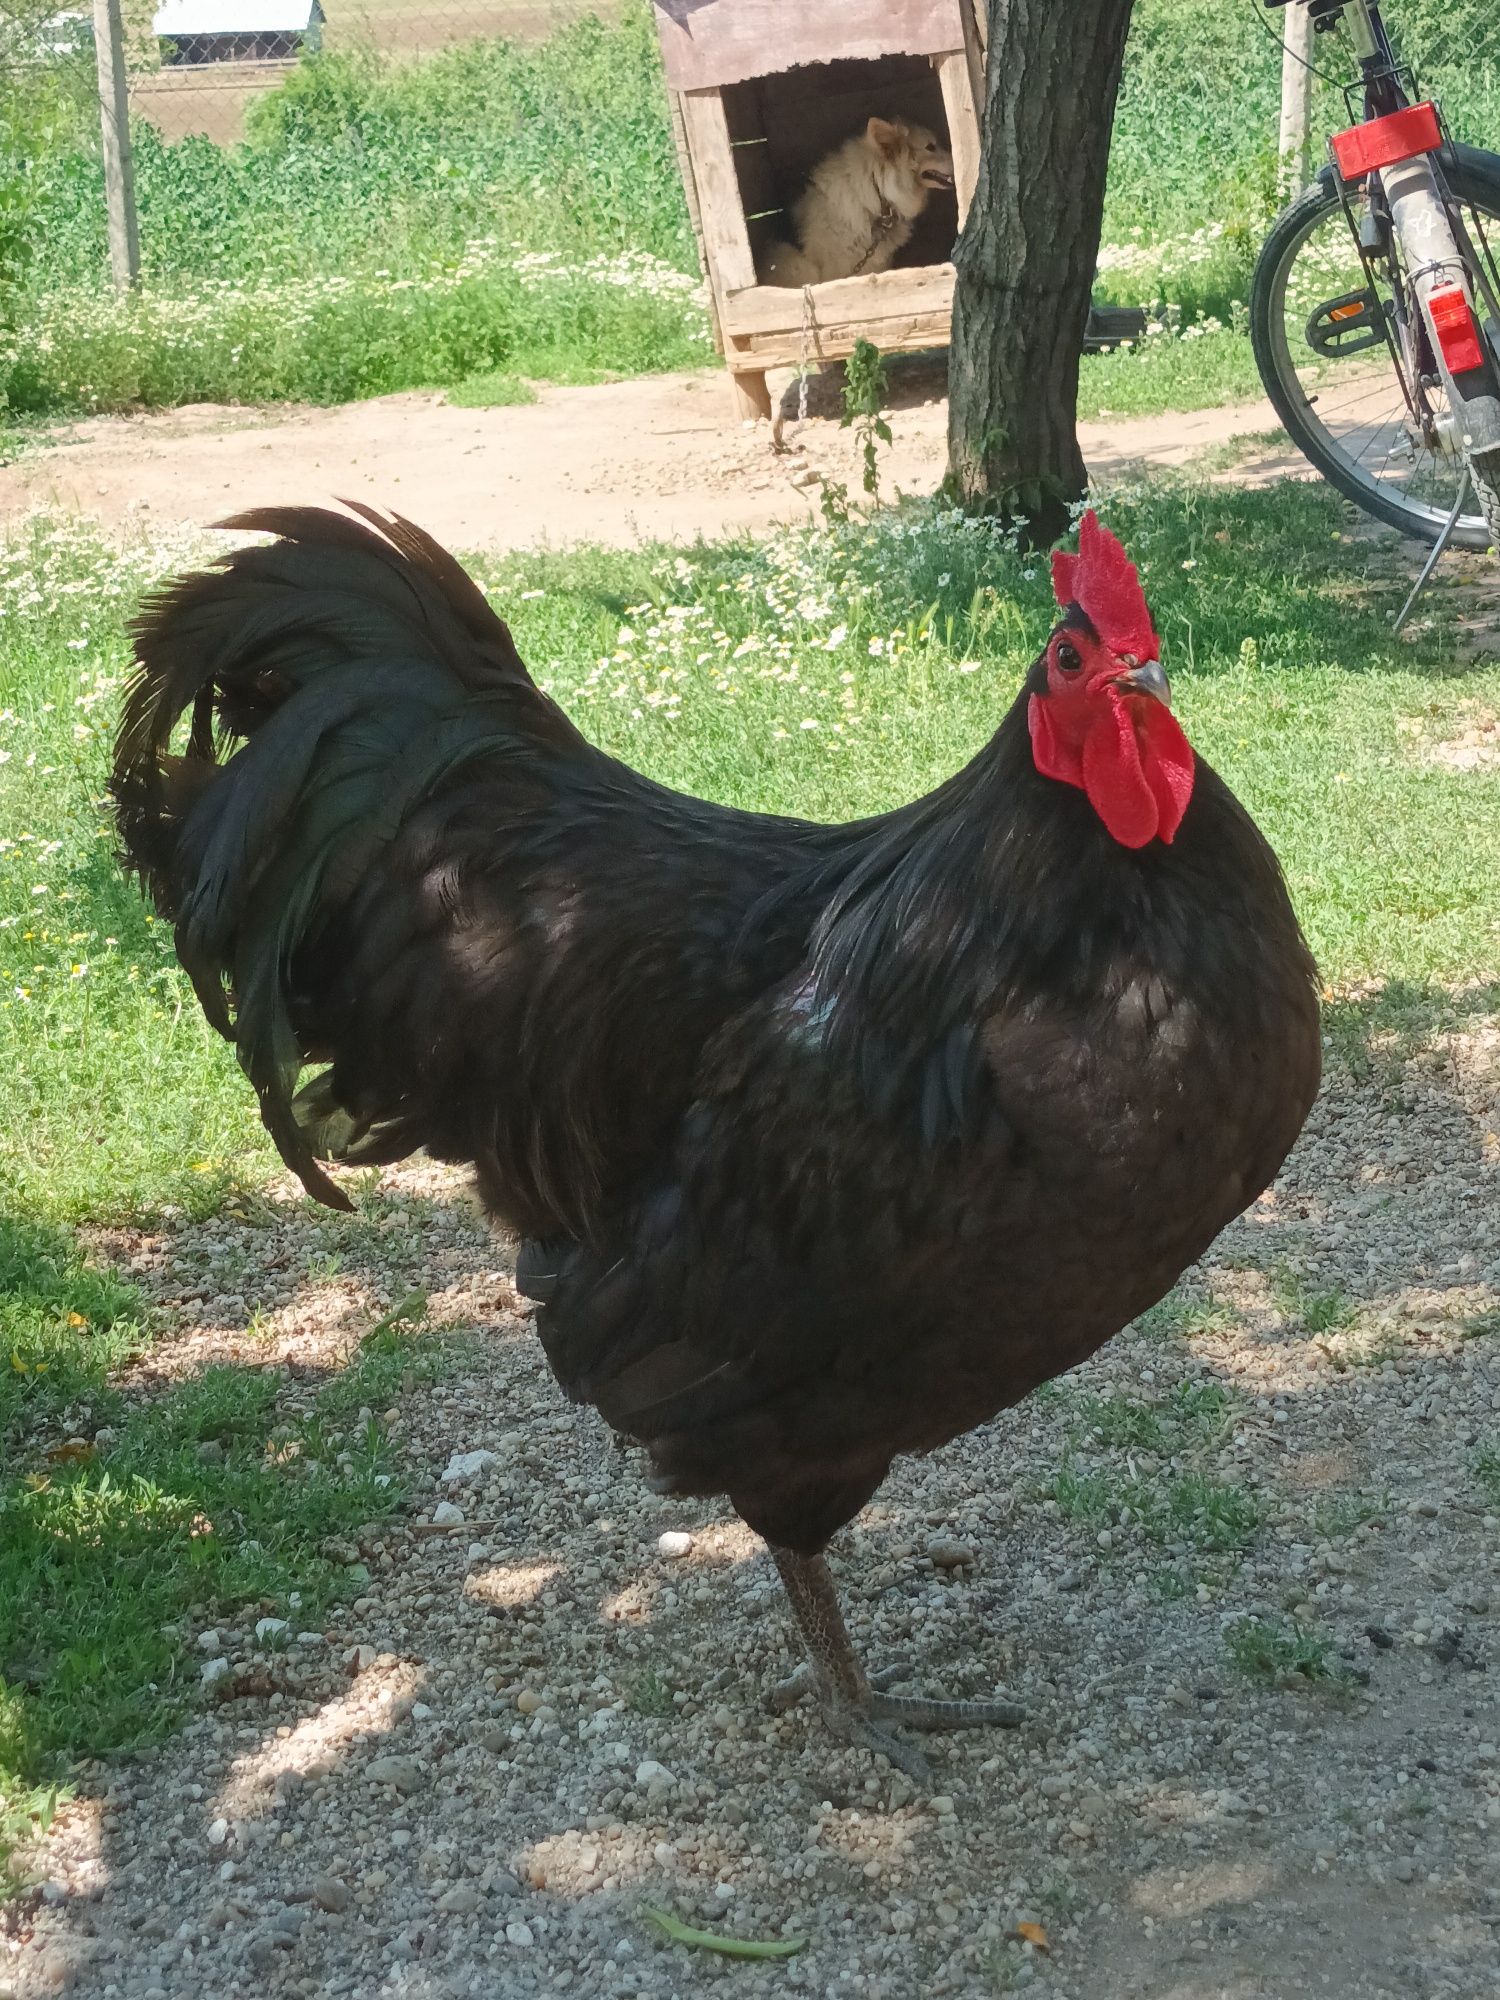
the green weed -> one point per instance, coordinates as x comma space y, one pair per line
1172, 1503
1170, 1584
1275, 1651
1208, 1513
395, 1357
63, 1324
1185, 1315
1086, 1498
1179, 1508
1189, 1416
1344, 1514
650, 1694
864, 397
1317, 1311
26, 1813
490, 392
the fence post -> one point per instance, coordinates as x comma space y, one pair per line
114, 125
1296, 97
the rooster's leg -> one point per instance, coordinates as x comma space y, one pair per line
854, 1709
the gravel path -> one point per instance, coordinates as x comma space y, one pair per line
541, 1713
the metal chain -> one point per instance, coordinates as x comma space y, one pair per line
807, 327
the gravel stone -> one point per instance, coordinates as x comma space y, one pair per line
950, 1555
507, 1738
405, 1773
464, 1468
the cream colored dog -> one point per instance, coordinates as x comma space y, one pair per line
861, 204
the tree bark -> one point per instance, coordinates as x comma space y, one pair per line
1026, 259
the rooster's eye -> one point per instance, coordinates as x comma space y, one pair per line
1067, 657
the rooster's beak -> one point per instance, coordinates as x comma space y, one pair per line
1147, 678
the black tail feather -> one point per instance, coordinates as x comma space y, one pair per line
330, 678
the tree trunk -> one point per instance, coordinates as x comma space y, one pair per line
1026, 259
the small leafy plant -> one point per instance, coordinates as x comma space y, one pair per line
865, 388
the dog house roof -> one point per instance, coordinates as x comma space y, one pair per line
706, 44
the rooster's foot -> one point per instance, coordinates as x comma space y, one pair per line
854, 1723
803, 1680
856, 1706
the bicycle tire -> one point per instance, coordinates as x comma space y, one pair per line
1473, 177
1484, 477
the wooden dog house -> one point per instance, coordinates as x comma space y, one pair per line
760, 91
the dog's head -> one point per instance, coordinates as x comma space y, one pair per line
911, 155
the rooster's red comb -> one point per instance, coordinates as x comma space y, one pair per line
1102, 582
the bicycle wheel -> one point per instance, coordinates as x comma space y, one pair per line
1348, 414
1485, 473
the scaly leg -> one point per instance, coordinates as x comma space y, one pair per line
854, 1708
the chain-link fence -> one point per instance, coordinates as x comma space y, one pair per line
338, 197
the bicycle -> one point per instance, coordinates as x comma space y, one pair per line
1384, 266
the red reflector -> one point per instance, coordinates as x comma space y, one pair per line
1400, 135
1456, 328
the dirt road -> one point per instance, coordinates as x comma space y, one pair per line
657, 457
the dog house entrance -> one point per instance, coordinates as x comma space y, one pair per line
781, 126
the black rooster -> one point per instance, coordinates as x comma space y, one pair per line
823, 1143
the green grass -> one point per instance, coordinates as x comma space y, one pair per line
99, 1558
496, 208
63, 1323
493, 391
377, 227
1281, 1654
1195, 134
174, 1510
1317, 1312
1188, 1508
1282, 666
26, 1813
1107, 1478
1199, 373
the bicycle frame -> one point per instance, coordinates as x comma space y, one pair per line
1392, 150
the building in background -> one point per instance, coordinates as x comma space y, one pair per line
216, 31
